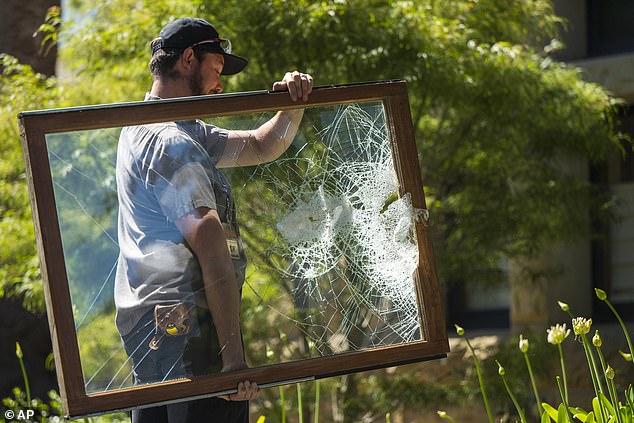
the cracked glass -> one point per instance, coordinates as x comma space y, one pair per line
323, 247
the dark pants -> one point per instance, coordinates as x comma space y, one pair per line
194, 354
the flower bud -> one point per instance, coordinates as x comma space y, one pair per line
609, 372
523, 344
596, 339
601, 294
459, 330
442, 414
18, 350
501, 370
563, 306
626, 356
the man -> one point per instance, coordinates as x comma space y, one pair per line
181, 263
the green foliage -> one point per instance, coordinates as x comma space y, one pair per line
382, 392
500, 124
21, 407
50, 29
20, 89
103, 355
604, 409
502, 127
43, 411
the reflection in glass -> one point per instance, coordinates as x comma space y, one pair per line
330, 246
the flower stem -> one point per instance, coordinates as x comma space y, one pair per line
563, 371
618, 317
283, 404
613, 395
565, 401
27, 388
592, 365
317, 401
596, 381
300, 408
517, 406
479, 373
602, 360
530, 373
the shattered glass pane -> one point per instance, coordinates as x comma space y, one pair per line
330, 246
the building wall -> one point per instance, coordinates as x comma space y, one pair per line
575, 28
600, 41
570, 267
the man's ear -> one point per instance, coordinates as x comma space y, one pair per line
188, 58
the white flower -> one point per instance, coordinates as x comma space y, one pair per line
557, 334
581, 325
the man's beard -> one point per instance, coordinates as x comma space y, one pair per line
195, 83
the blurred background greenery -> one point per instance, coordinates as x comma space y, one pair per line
498, 119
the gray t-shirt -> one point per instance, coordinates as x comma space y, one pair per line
164, 171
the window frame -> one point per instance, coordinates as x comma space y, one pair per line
35, 125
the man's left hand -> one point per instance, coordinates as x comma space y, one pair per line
298, 84
246, 391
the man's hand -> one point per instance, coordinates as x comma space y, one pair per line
298, 84
246, 391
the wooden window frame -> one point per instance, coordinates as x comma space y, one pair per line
35, 125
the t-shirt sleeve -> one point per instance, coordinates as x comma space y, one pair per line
214, 140
178, 176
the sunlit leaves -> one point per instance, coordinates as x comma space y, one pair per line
505, 131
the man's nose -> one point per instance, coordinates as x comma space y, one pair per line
218, 88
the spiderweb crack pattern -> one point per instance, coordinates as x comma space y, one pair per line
351, 254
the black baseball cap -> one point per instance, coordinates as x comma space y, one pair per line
190, 32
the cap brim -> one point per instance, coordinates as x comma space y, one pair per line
233, 64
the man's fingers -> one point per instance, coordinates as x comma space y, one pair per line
299, 85
310, 83
279, 86
307, 87
246, 391
297, 79
253, 391
291, 83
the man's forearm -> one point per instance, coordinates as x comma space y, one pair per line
223, 299
275, 136
205, 235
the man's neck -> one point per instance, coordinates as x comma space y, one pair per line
170, 88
